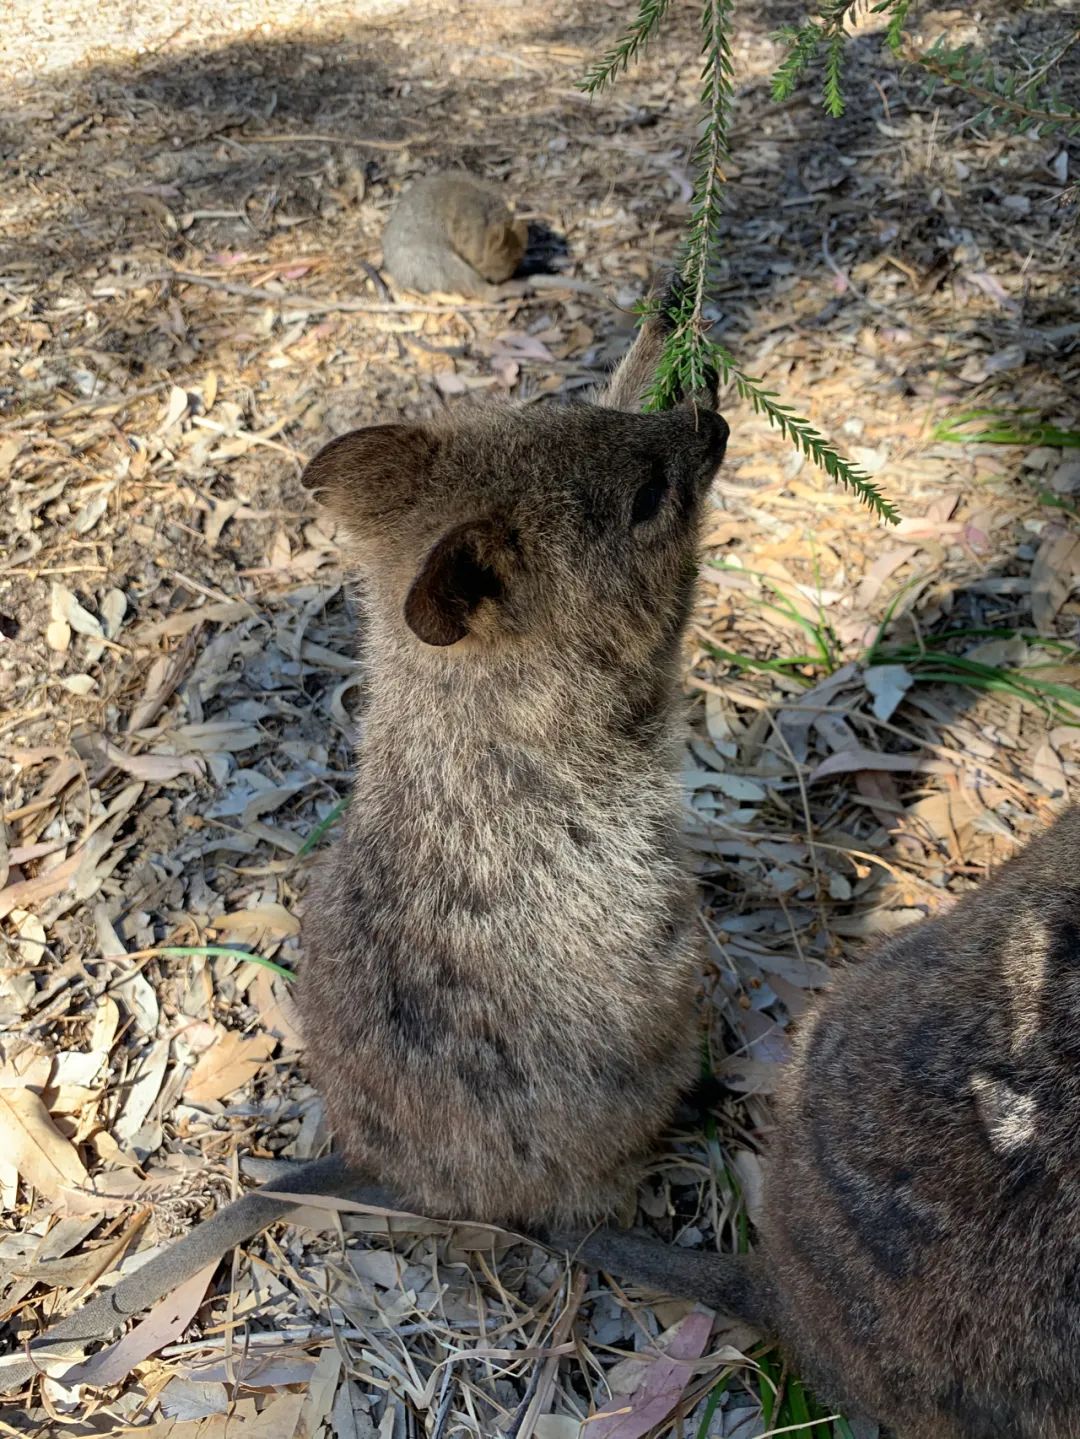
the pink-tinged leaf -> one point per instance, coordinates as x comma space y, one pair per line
880, 571
449, 383
228, 1066
992, 287
506, 371
750, 1076
165, 1323
522, 347
154, 768
24, 892
1054, 574
925, 527
662, 1384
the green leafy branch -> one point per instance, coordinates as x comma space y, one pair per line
688, 365
712, 155
691, 359
650, 13
814, 445
823, 31
894, 32
1007, 97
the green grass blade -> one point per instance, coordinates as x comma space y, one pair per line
1003, 427
772, 667
819, 633
768, 1382
716, 1393
321, 828
217, 951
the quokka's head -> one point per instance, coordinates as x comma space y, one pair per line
509, 526
504, 249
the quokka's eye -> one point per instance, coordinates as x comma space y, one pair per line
650, 496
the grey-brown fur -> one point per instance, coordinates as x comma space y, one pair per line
454, 233
498, 974
920, 1241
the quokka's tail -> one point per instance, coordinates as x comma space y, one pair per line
735, 1284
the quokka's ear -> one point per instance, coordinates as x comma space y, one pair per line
371, 471
473, 562
635, 375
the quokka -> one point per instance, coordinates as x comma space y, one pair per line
919, 1248
455, 234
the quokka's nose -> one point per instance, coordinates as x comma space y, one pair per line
715, 430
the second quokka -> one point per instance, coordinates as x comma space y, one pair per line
454, 233
920, 1236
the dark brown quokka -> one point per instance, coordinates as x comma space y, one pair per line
499, 964
920, 1240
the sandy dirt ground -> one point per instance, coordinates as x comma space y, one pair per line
189, 305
